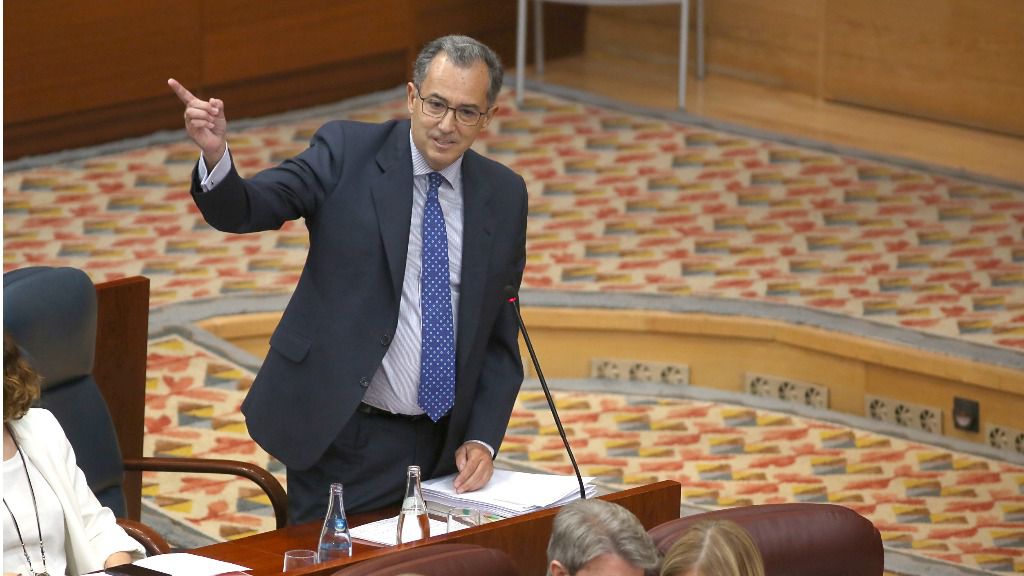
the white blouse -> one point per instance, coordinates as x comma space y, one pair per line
18, 498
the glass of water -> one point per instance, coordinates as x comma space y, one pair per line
295, 559
461, 518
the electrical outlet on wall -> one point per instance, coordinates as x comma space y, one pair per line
790, 392
1005, 438
816, 396
605, 369
903, 415
878, 409
640, 371
926, 418
998, 437
929, 420
675, 374
786, 389
759, 385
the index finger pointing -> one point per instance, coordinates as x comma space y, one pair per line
184, 95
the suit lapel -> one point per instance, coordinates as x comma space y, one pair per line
392, 199
477, 236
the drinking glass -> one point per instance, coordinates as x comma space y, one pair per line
460, 518
295, 559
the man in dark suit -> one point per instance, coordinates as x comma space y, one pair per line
399, 345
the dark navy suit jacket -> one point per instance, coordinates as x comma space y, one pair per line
353, 186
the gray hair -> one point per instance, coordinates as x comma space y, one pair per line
586, 529
463, 51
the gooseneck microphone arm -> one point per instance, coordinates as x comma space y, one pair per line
513, 298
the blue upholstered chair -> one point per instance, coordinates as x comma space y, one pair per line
90, 353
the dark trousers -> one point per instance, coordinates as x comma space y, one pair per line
370, 458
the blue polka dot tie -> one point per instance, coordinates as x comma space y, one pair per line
437, 362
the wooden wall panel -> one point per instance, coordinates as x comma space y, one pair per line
960, 61
82, 73
640, 31
64, 56
720, 350
246, 39
776, 42
496, 21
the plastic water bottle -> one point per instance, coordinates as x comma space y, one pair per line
413, 523
335, 539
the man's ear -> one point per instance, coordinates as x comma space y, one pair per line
410, 97
556, 569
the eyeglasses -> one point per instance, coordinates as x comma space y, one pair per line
437, 109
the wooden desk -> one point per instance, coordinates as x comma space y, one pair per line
524, 538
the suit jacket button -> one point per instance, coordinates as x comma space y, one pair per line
364, 382
385, 339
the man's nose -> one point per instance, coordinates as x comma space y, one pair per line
447, 122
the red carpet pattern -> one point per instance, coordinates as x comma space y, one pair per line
958, 508
618, 203
925, 500
192, 409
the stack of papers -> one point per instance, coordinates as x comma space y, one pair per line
510, 493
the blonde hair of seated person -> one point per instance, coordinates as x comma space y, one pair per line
713, 548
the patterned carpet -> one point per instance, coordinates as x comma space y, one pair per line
928, 501
619, 203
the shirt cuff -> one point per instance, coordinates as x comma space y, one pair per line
482, 443
209, 181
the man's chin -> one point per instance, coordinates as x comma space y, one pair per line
441, 161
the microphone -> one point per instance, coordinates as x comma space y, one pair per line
513, 298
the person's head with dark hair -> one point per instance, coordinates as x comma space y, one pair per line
713, 548
21, 382
455, 83
598, 538
464, 52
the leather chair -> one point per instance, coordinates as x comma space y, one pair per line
798, 539
437, 560
52, 313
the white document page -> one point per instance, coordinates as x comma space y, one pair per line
386, 531
184, 564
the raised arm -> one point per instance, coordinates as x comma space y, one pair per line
204, 121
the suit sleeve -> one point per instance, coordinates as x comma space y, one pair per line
501, 374
294, 189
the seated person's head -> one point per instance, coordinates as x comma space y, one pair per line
713, 548
598, 538
21, 383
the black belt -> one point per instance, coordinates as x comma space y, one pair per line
374, 411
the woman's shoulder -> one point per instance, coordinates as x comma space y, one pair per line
38, 418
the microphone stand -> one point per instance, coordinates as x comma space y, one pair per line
513, 298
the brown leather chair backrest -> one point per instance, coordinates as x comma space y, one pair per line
798, 539
437, 560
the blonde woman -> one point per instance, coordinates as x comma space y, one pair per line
713, 548
52, 522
